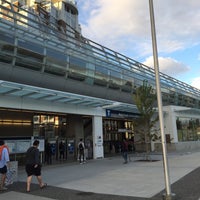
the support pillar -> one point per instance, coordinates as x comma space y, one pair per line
98, 151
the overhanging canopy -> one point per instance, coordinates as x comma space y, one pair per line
37, 93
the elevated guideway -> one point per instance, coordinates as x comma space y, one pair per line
40, 55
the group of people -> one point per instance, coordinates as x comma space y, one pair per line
33, 164
50, 150
62, 150
32, 167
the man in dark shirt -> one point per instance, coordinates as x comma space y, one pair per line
125, 151
62, 150
81, 148
33, 165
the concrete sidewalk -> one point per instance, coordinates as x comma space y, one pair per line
109, 176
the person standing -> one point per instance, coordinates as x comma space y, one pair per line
61, 150
33, 165
125, 151
48, 153
81, 148
4, 162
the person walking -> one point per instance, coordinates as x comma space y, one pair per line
33, 165
81, 148
125, 151
4, 163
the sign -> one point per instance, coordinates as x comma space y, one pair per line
119, 114
99, 141
123, 130
21, 146
11, 146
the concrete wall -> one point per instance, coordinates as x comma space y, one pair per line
44, 80
179, 147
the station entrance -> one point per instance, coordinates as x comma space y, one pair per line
66, 129
52, 128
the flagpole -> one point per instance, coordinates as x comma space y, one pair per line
168, 195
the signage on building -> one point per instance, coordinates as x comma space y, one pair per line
17, 145
123, 130
99, 141
119, 114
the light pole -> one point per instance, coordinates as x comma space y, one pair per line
168, 195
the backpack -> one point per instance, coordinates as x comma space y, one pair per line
80, 147
1, 150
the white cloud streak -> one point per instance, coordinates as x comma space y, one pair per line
168, 66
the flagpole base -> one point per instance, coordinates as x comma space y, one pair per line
169, 197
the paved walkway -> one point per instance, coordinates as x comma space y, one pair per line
110, 179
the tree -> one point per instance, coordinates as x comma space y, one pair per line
145, 100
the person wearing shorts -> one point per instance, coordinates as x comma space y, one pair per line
4, 161
33, 166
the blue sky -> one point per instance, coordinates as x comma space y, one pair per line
124, 26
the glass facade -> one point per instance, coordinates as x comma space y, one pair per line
49, 126
188, 129
114, 131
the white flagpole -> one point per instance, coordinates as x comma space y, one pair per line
168, 195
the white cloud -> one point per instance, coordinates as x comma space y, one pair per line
117, 23
196, 82
124, 25
168, 66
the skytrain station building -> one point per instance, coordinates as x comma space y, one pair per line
57, 85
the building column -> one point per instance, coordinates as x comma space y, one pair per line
174, 132
98, 151
170, 123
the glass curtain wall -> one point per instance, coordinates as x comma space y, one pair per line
188, 129
114, 131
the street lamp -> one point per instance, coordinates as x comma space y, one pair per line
168, 195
